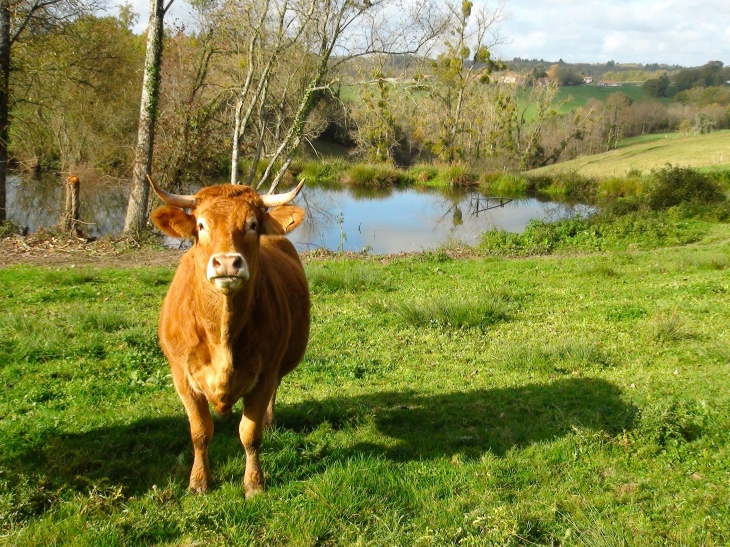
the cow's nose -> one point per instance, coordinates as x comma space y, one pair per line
227, 265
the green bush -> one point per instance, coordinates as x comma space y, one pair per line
566, 183
671, 186
372, 175
457, 175
510, 184
605, 231
618, 187
7, 229
422, 172
317, 172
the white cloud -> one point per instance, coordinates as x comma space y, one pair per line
645, 31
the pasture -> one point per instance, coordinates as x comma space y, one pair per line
577, 96
646, 152
570, 400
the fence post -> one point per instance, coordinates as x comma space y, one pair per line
71, 213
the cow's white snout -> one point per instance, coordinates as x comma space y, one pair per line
227, 271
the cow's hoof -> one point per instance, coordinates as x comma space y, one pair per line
253, 490
198, 487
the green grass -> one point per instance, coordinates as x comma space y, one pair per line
375, 175
582, 399
579, 95
652, 152
570, 98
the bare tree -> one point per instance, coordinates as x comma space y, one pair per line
189, 133
465, 64
136, 218
293, 52
18, 18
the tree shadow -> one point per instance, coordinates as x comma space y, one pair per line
471, 423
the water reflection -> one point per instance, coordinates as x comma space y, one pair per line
384, 221
413, 219
37, 201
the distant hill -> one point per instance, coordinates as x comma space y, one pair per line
711, 151
599, 71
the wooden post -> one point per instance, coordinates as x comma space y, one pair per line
70, 218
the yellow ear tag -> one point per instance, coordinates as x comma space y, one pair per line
291, 221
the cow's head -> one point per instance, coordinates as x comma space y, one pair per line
225, 223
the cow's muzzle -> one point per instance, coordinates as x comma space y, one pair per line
227, 271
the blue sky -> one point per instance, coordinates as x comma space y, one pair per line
687, 33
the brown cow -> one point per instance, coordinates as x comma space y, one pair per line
236, 317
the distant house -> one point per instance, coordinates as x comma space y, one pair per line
609, 83
512, 79
588, 79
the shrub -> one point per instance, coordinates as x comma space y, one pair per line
317, 172
7, 229
618, 187
372, 175
509, 184
605, 231
566, 183
422, 172
672, 186
457, 175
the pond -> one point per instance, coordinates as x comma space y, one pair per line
384, 221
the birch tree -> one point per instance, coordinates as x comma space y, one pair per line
136, 218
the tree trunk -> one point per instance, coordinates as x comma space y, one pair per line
4, 98
236, 145
136, 219
72, 211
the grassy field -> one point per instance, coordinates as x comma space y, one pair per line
570, 400
652, 152
577, 96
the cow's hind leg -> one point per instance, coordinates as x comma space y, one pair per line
201, 432
270, 416
255, 407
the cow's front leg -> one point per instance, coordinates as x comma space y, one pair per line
201, 432
255, 405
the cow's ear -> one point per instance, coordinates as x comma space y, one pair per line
283, 219
174, 221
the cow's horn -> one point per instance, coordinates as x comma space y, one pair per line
184, 202
274, 200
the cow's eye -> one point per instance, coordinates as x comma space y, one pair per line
200, 226
253, 225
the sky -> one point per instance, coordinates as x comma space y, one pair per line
673, 32
686, 33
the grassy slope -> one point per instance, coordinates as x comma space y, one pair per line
587, 404
652, 152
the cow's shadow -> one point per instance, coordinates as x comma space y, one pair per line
415, 426
473, 422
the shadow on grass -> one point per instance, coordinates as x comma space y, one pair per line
470, 423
